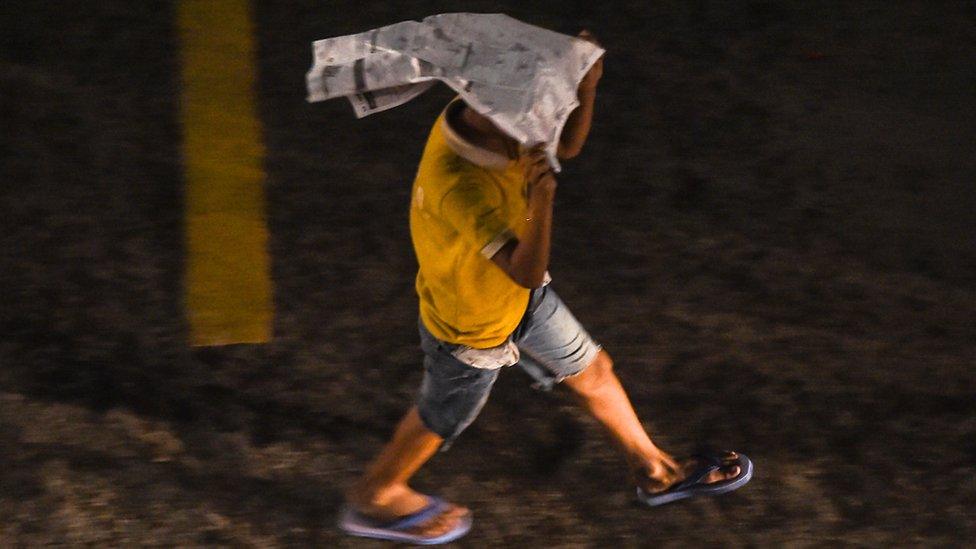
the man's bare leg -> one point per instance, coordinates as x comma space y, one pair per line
383, 491
601, 393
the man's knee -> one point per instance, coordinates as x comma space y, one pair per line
593, 377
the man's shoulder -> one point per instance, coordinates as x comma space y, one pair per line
443, 168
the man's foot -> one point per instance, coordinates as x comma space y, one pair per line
397, 503
666, 472
707, 474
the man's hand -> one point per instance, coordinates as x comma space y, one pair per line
541, 182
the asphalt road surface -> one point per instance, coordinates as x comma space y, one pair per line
771, 230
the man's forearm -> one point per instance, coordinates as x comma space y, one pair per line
526, 259
577, 126
530, 258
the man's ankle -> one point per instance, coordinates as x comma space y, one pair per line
653, 466
363, 495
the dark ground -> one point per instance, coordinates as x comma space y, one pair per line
771, 230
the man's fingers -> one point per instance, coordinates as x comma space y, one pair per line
536, 172
542, 173
588, 36
535, 158
536, 169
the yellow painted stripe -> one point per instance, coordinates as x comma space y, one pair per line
228, 286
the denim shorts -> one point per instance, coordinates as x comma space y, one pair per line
552, 345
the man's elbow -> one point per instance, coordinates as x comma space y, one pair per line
528, 280
566, 152
521, 271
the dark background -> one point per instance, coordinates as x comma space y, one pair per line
771, 229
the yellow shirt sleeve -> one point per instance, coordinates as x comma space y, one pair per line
474, 209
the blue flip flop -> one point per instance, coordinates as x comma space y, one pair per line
694, 484
357, 524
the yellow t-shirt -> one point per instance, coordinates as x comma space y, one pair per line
462, 213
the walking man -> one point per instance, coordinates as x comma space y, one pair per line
481, 222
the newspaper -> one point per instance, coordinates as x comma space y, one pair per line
522, 77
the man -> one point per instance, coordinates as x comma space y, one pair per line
481, 220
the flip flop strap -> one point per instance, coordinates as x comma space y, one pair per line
435, 507
695, 477
710, 461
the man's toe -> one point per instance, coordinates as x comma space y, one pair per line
442, 523
723, 473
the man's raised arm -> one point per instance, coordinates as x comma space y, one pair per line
577, 127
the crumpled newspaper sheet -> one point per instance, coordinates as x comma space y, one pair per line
522, 77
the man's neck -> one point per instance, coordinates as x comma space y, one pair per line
479, 131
